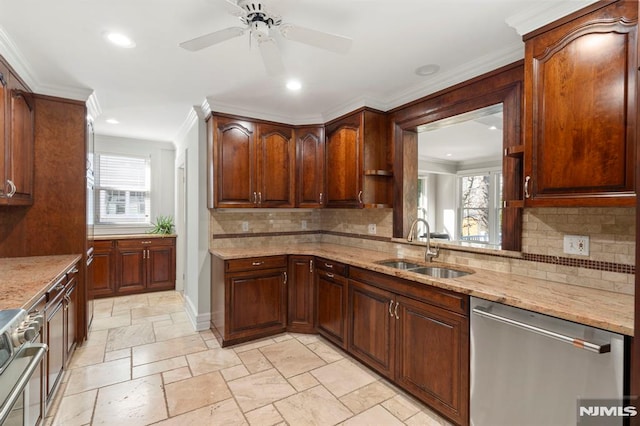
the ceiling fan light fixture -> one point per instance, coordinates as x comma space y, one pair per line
427, 70
112, 121
294, 85
119, 40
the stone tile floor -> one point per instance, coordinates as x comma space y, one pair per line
143, 364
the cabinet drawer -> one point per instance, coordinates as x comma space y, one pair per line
332, 276
255, 263
332, 266
56, 290
103, 245
146, 242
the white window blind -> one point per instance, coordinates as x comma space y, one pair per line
123, 186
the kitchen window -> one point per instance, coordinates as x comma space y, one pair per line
480, 207
123, 189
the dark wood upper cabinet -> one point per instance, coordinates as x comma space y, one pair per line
252, 163
358, 161
16, 140
580, 109
276, 152
310, 179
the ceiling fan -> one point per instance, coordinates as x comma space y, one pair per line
259, 21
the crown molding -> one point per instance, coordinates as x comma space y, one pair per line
22, 67
543, 13
260, 115
194, 114
93, 106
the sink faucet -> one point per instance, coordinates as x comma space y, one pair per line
428, 253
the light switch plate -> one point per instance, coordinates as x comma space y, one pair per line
576, 244
372, 228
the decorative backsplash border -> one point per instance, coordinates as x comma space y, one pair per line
581, 263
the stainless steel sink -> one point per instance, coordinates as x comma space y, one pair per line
432, 271
438, 272
398, 264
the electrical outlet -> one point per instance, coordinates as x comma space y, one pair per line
303, 224
576, 244
372, 228
245, 226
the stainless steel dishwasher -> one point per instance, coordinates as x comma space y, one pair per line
532, 369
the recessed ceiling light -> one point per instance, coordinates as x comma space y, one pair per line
429, 69
112, 121
119, 40
448, 154
294, 85
493, 128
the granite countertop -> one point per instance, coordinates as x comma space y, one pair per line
597, 308
129, 236
25, 279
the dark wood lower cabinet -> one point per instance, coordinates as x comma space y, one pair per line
133, 265
415, 341
432, 356
371, 326
60, 325
248, 298
300, 307
415, 335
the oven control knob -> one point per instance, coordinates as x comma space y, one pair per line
33, 324
23, 335
36, 318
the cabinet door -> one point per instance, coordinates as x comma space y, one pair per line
300, 294
275, 153
131, 265
331, 306
103, 283
256, 303
310, 183
433, 357
71, 315
4, 143
21, 137
580, 110
371, 326
234, 163
343, 163
54, 316
161, 264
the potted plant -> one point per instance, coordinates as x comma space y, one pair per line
162, 225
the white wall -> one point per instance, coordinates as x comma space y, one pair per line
191, 154
162, 155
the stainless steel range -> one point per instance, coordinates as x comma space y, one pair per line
21, 369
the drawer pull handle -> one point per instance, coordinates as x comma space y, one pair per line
526, 187
330, 275
326, 265
74, 270
257, 263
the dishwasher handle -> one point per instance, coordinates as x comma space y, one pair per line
574, 341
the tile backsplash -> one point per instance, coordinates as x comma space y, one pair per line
611, 233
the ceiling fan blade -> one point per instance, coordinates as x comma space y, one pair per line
271, 56
207, 40
320, 39
232, 7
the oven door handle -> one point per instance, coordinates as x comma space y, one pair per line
40, 349
577, 342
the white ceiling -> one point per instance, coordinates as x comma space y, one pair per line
58, 48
